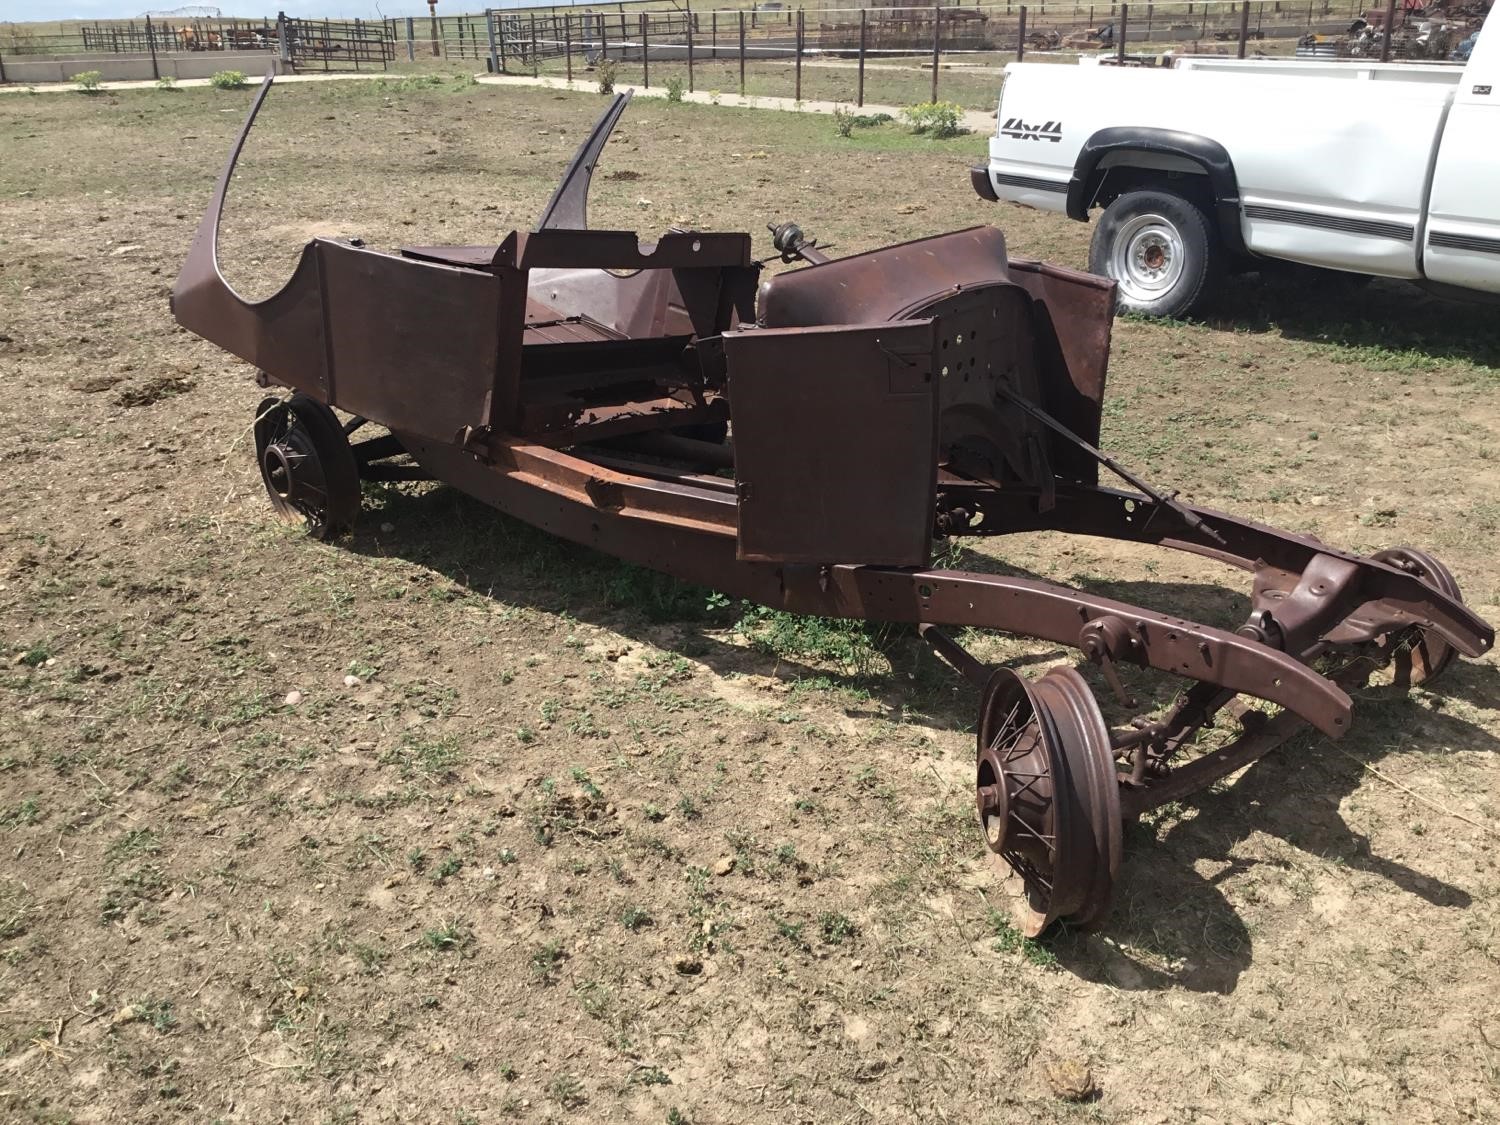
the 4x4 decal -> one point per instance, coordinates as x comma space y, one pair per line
1015, 127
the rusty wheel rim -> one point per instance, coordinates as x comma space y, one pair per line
306, 465
1419, 655
1048, 798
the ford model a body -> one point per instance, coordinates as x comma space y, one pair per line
801, 441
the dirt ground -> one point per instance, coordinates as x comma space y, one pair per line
452, 822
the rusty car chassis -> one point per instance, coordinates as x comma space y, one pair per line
802, 441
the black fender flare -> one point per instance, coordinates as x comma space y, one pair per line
1208, 154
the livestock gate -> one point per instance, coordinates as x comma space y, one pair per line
339, 44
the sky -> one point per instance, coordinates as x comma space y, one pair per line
22, 10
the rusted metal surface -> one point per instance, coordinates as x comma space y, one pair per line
802, 441
790, 389
1048, 796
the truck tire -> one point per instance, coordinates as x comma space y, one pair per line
1162, 251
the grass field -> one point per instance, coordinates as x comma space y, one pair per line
453, 822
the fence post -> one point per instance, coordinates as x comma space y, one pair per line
489, 31
1245, 26
799, 54
433, 28
1124, 30
603, 38
2, 67
937, 40
742, 54
690, 46
646, 49
713, 35
860, 100
567, 44
150, 41
411, 40
1385, 38
535, 65
1021, 36
1149, 12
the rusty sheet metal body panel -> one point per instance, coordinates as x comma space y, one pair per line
876, 483
802, 441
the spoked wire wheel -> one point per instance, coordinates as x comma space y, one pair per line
1418, 655
1049, 797
307, 465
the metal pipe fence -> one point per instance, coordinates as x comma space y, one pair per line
893, 53
771, 30
897, 54
304, 43
338, 44
165, 37
910, 31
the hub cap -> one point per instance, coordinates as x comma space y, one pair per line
306, 464
1146, 258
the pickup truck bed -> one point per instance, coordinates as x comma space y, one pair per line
1370, 168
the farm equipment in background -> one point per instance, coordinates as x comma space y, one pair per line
1434, 31
1091, 38
802, 441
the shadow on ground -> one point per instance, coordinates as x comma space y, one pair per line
1394, 317
1165, 906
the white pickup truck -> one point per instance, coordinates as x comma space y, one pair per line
1383, 169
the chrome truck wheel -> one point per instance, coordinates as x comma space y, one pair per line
1146, 257
1161, 251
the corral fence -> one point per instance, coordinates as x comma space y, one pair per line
774, 37
141, 36
910, 52
149, 47
338, 44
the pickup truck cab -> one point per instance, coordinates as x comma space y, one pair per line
1383, 169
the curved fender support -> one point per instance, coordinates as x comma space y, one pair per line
568, 209
202, 264
283, 334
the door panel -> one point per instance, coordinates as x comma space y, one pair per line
835, 442
1463, 221
410, 343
